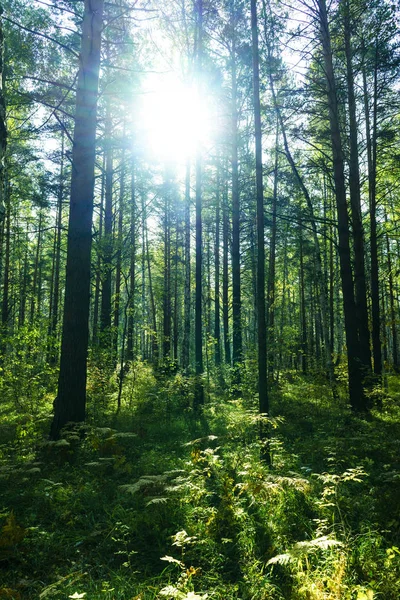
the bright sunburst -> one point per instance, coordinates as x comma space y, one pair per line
173, 118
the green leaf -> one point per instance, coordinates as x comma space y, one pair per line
171, 559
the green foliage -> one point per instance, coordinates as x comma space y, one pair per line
156, 502
25, 376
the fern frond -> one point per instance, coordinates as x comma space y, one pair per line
302, 549
157, 501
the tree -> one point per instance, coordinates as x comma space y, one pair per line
356, 390
236, 277
70, 404
169, 281
261, 320
199, 393
355, 201
3, 128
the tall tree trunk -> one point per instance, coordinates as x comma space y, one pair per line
253, 263
176, 294
3, 127
155, 350
132, 279
376, 338
217, 316
36, 268
371, 139
339, 304
107, 243
303, 320
118, 266
331, 287
262, 329
98, 281
236, 291
385, 343
395, 353
39, 290
225, 278
187, 297
208, 299
145, 258
356, 391
318, 329
355, 201
199, 391
167, 271
50, 341
70, 404
272, 263
282, 323
207, 302
24, 283
5, 304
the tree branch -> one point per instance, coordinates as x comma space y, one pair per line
43, 35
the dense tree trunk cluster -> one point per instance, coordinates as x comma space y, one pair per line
265, 244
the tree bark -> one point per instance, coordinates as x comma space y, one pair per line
70, 404
303, 320
96, 303
36, 269
3, 126
236, 284
107, 244
282, 323
356, 391
395, 353
144, 323
132, 269
175, 328
376, 319
261, 320
225, 279
199, 389
187, 294
155, 349
272, 264
217, 316
167, 271
5, 305
118, 266
355, 201
24, 283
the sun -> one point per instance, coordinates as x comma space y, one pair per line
173, 118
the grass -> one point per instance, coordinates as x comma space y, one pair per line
154, 502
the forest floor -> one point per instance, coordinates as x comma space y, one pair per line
154, 502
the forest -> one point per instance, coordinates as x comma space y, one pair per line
200, 299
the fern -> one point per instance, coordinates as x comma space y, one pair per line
173, 560
157, 501
302, 549
143, 483
122, 435
207, 438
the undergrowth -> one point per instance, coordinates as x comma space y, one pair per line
156, 502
